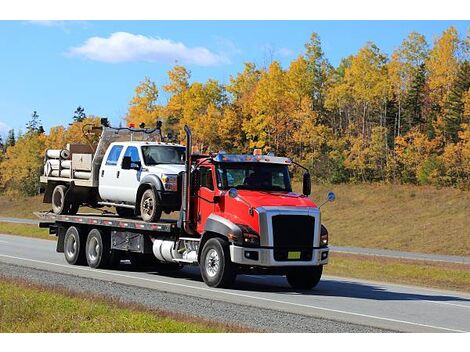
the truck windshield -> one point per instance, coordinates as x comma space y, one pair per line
253, 176
159, 154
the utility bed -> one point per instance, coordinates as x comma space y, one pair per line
46, 219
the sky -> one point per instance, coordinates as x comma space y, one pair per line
53, 66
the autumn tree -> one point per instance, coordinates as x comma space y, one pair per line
143, 106
178, 84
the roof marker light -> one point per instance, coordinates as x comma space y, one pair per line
257, 151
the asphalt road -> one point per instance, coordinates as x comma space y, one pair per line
350, 250
351, 304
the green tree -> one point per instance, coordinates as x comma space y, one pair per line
79, 114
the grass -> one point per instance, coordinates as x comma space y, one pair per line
26, 307
25, 230
400, 217
427, 274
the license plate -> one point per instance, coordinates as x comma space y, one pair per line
293, 255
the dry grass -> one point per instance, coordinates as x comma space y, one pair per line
27, 307
400, 217
428, 274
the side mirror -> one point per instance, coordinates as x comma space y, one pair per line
136, 165
307, 184
126, 163
233, 193
331, 196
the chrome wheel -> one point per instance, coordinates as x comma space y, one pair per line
71, 246
212, 263
94, 249
148, 206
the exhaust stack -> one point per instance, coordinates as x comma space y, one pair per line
186, 184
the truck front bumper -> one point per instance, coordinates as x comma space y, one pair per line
264, 257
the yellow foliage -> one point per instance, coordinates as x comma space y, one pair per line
143, 106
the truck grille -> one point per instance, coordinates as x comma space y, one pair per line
293, 233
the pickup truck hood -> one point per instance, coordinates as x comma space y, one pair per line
172, 169
259, 199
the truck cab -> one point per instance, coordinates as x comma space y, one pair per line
142, 177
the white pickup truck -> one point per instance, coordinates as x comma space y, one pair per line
134, 170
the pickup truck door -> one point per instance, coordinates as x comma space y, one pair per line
205, 197
129, 180
109, 171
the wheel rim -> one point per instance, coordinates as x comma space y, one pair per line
94, 249
148, 206
58, 199
212, 263
71, 246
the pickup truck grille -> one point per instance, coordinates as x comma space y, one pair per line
293, 233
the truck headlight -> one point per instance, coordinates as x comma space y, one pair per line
250, 239
170, 182
323, 236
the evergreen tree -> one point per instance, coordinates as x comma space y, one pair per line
34, 125
79, 114
454, 103
11, 140
415, 99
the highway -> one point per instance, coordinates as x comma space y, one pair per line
351, 303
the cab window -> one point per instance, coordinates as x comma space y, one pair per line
133, 152
114, 155
205, 178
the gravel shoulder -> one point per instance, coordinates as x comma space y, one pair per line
268, 320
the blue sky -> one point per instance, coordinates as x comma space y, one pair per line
54, 66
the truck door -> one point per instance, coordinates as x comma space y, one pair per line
129, 180
205, 196
108, 186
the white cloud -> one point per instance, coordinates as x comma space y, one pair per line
128, 47
284, 52
4, 128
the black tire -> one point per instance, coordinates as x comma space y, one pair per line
216, 267
125, 212
97, 249
150, 209
73, 208
74, 246
305, 278
59, 201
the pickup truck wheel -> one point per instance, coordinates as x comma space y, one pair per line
305, 278
59, 203
216, 267
74, 243
150, 209
97, 249
125, 212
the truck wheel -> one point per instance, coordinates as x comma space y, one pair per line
73, 208
305, 278
74, 243
124, 212
97, 249
150, 209
216, 267
59, 203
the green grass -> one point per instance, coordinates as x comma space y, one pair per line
426, 274
25, 230
400, 217
25, 307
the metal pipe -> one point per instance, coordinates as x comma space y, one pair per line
186, 184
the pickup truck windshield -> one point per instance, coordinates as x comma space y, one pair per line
253, 176
160, 154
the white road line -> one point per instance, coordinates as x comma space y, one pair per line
449, 304
240, 295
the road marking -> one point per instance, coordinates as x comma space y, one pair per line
239, 294
450, 304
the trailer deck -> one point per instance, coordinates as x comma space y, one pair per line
46, 219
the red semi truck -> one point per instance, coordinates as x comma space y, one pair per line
238, 215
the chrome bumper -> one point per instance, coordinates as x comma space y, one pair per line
239, 255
